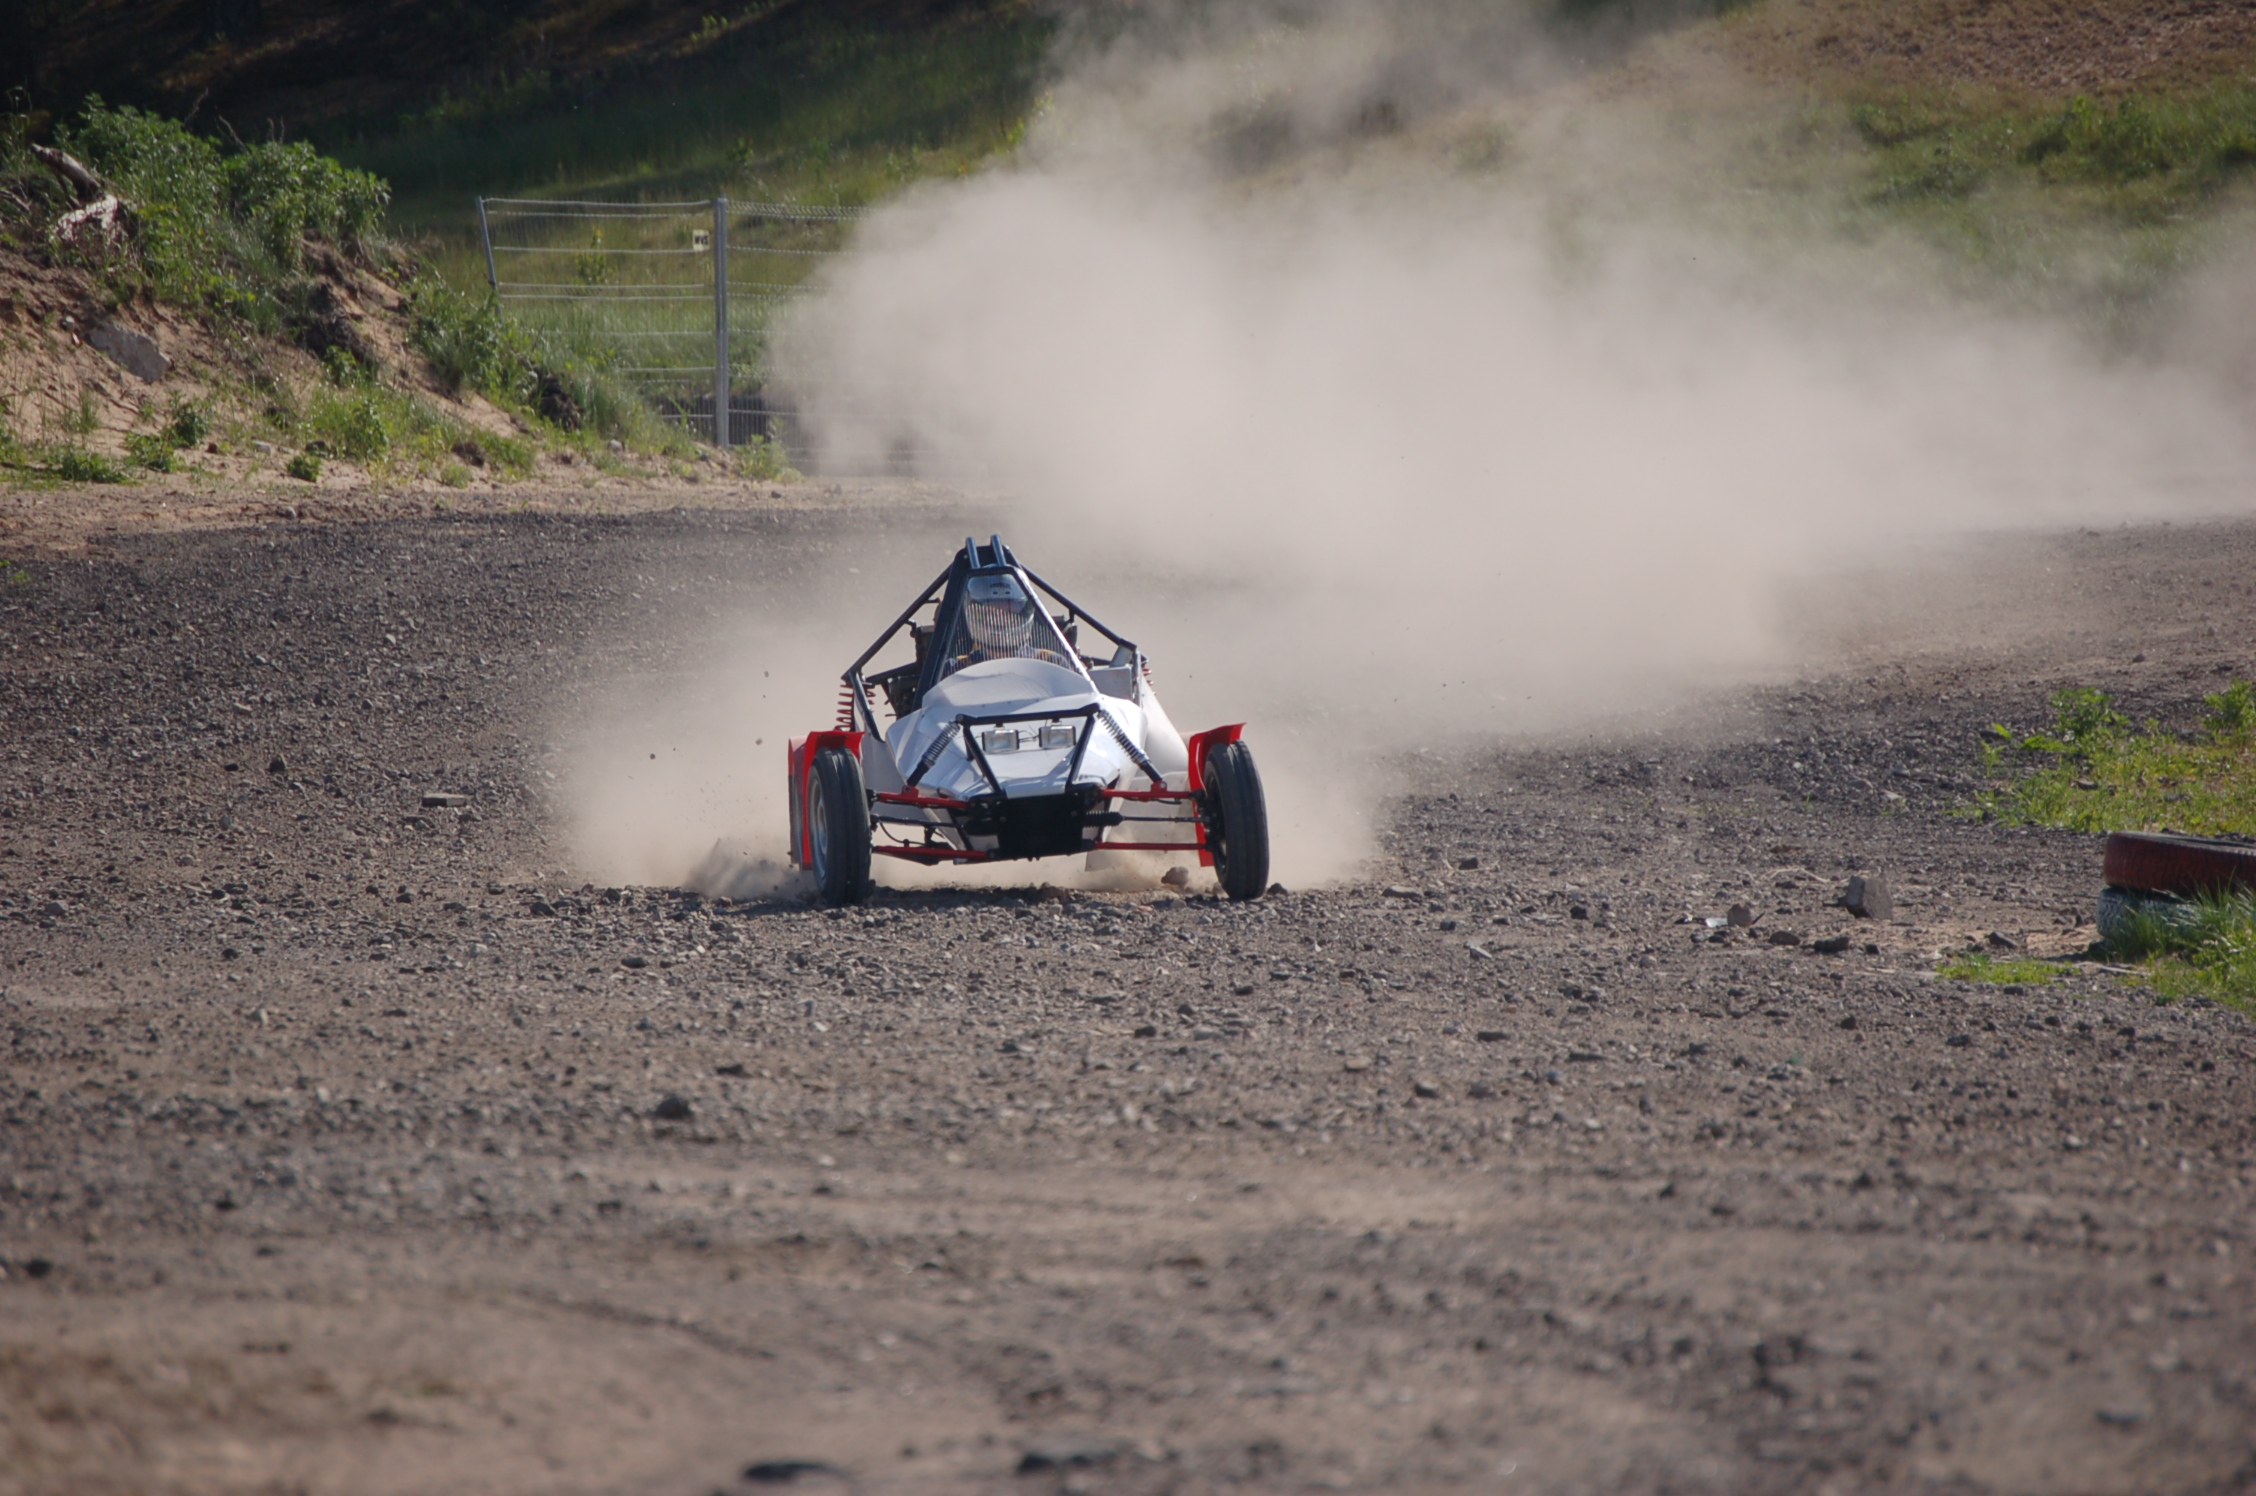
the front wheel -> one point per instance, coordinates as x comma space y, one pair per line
1237, 821
838, 826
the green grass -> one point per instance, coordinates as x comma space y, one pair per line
363, 417
1981, 966
2091, 772
787, 103
2085, 208
2207, 948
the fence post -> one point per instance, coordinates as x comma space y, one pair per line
485, 237
721, 422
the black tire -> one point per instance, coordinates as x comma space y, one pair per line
1237, 825
2119, 907
837, 820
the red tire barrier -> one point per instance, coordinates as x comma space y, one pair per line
2159, 862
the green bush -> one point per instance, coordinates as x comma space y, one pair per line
221, 230
77, 465
306, 466
187, 423
150, 449
470, 343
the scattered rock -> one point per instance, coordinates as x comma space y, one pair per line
1424, 1088
1397, 891
1868, 897
1490, 1036
1066, 1454
542, 908
1998, 940
1356, 1063
1785, 937
673, 1109
443, 799
784, 1472
1831, 945
1447, 925
1478, 951
1176, 877
1958, 1041
1467, 864
1739, 916
1481, 1090
733, 1070
278, 765
1578, 911
634, 963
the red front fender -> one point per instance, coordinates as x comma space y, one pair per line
1200, 745
802, 760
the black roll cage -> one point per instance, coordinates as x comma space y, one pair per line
947, 590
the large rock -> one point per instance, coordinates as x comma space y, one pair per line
136, 353
1867, 897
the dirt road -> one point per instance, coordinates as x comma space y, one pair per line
345, 1146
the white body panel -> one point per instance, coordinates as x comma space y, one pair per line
999, 687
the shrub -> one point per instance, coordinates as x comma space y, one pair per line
469, 343
187, 423
218, 230
305, 466
77, 465
150, 449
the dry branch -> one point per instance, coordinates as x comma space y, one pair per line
99, 208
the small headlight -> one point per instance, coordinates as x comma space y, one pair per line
1000, 740
1058, 736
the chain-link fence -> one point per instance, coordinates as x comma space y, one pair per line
680, 295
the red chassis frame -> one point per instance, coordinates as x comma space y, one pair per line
803, 751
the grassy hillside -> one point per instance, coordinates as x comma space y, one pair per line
2072, 162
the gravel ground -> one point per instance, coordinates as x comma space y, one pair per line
347, 1145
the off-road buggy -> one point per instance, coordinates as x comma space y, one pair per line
1006, 741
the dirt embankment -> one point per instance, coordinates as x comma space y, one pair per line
350, 1143
2043, 49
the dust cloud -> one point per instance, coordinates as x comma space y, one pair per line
1381, 425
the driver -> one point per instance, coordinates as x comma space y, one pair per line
999, 619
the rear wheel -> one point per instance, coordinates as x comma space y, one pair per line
837, 812
1237, 821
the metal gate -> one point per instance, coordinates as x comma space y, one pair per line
680, 294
